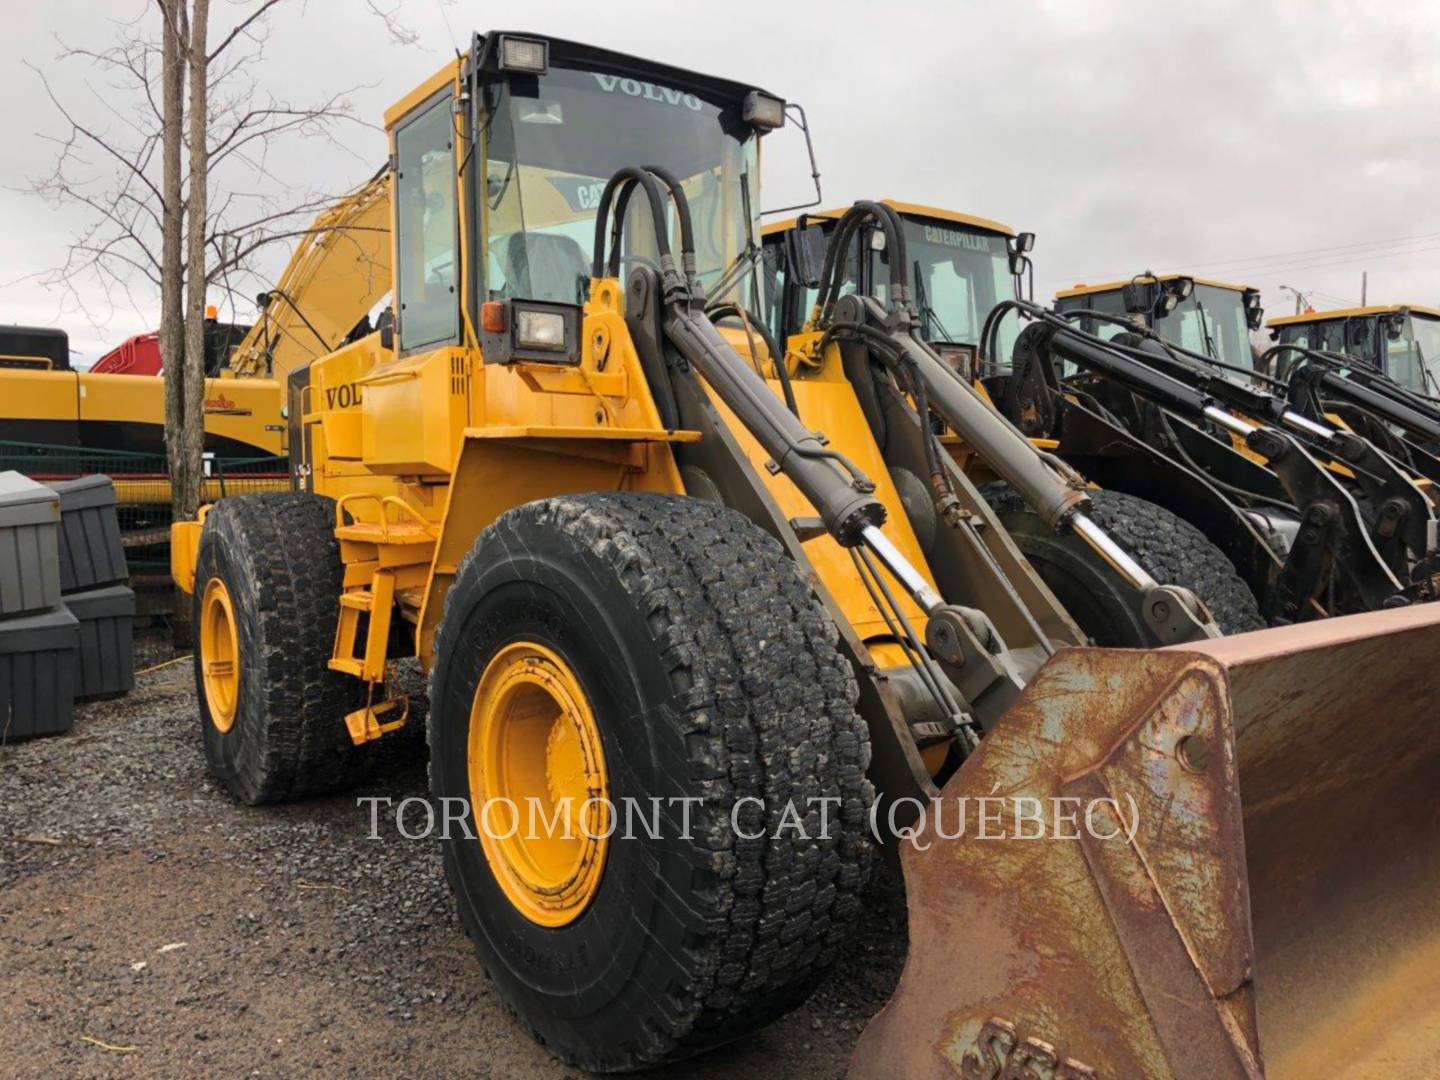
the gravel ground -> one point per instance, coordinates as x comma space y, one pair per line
149, 926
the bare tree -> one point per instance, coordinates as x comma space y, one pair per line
174, 34
181, 193
192, 429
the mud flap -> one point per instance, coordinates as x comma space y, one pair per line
1237, 852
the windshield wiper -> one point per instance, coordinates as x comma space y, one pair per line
927, 313
1205, 331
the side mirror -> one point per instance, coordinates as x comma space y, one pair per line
1138, 298
1024, 242
387, 337
1254, 313
805, 254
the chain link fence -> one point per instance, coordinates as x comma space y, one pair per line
142, 487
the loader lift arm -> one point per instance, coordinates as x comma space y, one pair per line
1336, 541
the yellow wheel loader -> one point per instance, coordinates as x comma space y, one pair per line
673, 605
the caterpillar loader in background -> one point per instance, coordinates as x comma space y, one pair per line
1205, 316
640, 566
1357, 527
1337, 388
1316, 520
958, 268
1400, 341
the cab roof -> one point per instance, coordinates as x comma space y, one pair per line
1111, 286
905, 209
578, 54
1350, 313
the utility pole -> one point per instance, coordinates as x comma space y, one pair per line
1364, 282
1299, 297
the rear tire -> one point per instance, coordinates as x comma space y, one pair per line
1170, 548
713, 674
280, 732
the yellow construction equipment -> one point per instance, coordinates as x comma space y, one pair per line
339, 271
1400, 341
688, 637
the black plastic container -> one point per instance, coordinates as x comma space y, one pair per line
91, 552
37, 674
29, 542
107, 622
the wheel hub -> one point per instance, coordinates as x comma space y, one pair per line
538, 786
219, 654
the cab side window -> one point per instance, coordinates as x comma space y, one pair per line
427, 275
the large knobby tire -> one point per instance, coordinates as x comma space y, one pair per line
713, 674
1170, 548
273, 563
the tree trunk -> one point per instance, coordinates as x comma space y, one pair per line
193, 431
173, 36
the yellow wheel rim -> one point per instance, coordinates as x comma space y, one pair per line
538, 788
219, 654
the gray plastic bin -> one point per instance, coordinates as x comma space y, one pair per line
91, 552
107, 621
29, 546
37, 674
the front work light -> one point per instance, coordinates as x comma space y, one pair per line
524, 55
763, 111
529, 331
540, 330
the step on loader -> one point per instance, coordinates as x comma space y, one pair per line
650, 575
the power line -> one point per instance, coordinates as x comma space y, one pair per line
1297, 260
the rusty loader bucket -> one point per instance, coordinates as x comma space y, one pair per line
1213, 860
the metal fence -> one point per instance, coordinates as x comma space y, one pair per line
142, 487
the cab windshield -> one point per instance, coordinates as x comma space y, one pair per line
553, 141
1212, 322
1413, 360
957, 276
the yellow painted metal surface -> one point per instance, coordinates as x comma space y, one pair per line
534, 747
915, 210
429, 88
219, 646
184, 546
1111, 286
828, 403
338, 272
1351, 312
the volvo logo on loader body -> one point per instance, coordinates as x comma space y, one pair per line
344, 396
649, 91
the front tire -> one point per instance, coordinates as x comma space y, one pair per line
268, 579
687, 643
1170, 548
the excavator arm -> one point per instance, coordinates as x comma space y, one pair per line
339, 271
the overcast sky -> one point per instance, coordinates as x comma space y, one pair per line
1275, 144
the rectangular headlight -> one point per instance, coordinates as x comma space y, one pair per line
524, 55
763, 111
540, 330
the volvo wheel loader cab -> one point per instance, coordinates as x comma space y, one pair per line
660, 586
1209, 317
1400, 341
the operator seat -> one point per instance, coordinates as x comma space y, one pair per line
545, 266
